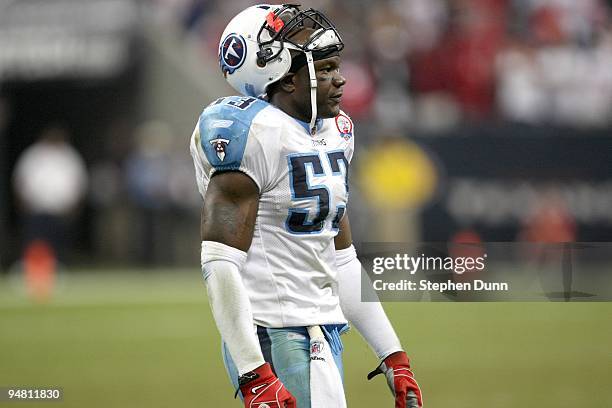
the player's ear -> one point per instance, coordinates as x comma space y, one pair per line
287, 83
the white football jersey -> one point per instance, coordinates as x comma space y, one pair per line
290, 272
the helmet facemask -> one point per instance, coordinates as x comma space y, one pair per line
281, 28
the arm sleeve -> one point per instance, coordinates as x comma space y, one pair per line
230, 305
369, 318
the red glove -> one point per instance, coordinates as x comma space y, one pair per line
400, 379
262, 389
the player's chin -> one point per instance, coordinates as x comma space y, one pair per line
331, 110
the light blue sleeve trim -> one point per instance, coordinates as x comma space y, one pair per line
224, 130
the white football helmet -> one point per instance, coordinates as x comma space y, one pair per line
254, 50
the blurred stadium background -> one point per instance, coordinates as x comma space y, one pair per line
487, 120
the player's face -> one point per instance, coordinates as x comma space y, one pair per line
330, 84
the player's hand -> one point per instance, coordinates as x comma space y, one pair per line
400, 378
261, 388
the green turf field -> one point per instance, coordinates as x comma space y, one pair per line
134, 339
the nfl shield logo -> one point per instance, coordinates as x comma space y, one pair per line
316, 348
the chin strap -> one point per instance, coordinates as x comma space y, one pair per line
313, 91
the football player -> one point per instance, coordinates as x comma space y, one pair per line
277, 255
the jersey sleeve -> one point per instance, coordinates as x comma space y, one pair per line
198, 162
350, 149
228, 141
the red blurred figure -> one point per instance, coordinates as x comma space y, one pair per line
549, 221
545, 24
467, 244
463, 63
39, 266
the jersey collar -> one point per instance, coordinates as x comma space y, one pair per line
306, 125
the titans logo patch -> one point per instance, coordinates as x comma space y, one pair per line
220, 145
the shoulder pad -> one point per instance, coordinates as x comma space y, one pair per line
224, 128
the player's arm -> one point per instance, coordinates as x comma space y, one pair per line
228, 220
371, 321
368, 318
230, 209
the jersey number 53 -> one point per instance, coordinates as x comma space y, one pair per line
299, 220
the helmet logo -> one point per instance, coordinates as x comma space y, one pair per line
220, 145
232, 53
